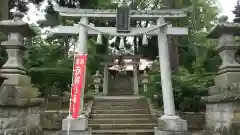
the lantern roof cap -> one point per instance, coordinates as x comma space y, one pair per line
224, 27
17, 25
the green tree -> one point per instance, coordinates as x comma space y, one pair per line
237, 12
198, 61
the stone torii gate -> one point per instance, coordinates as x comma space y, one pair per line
169, 122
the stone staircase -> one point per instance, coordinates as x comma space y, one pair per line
121, 86
121, 117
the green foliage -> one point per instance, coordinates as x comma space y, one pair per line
188, 89
237, 12
197, 57
51, 69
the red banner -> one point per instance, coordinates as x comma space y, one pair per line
78, 83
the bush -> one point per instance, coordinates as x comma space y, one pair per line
188, 90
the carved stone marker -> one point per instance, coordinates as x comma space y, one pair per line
19, 105
223, 102
123, 18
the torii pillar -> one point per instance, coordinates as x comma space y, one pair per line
169, 123
78, 126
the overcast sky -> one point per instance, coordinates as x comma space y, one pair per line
227, 7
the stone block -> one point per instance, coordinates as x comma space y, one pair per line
4, 113
80, 124
195, 121
169, 132
224, 119
225, 79
52, 120
85, 132
172, 124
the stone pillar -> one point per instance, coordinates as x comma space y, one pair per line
169, 123
135, 79
78, 126
19, 105
223, 104
105, 80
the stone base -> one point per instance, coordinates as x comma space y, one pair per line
160, 132
17, 86
171, 125
224, 79
223, 118
86, 132
27, 130
23, 120
69, 124
75, 126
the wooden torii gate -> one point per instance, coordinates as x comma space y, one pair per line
161, 29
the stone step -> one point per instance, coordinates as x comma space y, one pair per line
118, 98
119, 101
119, 104
125, 94
142, 133
134, 111
121, 92
119, 107
123, 126
120, 121
124, 132
122, 88
120, 116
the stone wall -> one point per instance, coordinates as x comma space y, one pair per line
52, 119
54, 112
20, 121
195, 120
56, 102
223, 117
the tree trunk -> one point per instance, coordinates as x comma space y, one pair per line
4, 10
173, 41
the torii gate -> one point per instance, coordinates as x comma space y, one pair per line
162, 29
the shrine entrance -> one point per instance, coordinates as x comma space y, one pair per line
122, 75
123, 16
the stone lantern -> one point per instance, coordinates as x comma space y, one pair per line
97, 81
145, 81
19, 105
13, 69
222, 109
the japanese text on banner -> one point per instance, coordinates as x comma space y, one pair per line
78, 78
